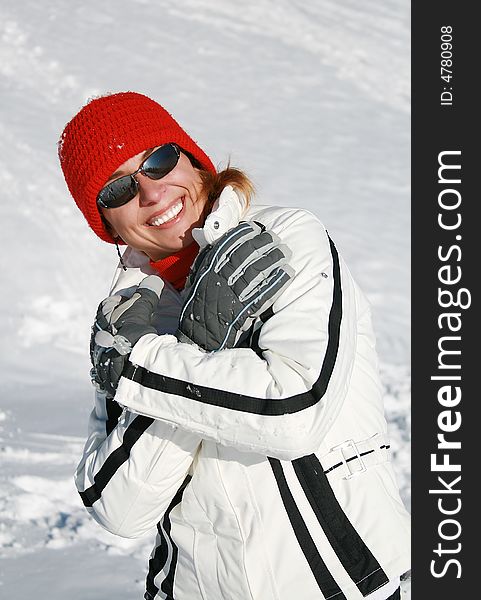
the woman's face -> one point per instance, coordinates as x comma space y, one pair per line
138, 223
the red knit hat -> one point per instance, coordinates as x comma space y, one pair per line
104, 134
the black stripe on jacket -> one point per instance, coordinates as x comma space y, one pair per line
156, 564
322, 575
251, 404
159, 558
114, 410
115, 460
355, 556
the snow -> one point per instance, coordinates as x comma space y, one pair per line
311, 98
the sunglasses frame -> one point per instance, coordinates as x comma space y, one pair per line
133, 182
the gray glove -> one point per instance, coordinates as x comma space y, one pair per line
231, 283
119, 324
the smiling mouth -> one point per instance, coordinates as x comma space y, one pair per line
168, 215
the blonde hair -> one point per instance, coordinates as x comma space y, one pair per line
214, 183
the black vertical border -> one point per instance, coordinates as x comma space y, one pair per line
437, 128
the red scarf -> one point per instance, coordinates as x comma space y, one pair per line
175, 268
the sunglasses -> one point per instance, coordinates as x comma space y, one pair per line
155, 166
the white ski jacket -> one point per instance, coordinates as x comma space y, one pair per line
266, 468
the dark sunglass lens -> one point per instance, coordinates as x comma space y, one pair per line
118, 193
161, 162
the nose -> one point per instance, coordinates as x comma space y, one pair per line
151, 191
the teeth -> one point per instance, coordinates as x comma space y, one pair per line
167, 216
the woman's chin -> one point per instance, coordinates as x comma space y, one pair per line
164, 248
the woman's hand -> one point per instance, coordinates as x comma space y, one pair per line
232, 282
119, 324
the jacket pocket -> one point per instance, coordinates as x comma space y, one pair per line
219, 544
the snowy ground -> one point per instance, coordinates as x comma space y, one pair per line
311, 98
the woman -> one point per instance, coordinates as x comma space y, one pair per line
262, 456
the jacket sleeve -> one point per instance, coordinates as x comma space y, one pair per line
281, 400
131, 470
